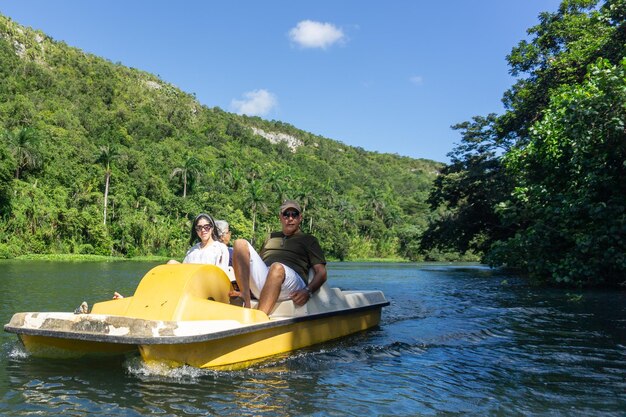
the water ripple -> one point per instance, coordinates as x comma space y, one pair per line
454, 341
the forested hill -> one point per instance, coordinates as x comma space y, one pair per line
100, 158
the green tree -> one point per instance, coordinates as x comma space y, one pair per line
571, 186
563, 44
279, 180
472, 194
108, 154
466, 194
256, 202
188, 173
24, 142
7, 164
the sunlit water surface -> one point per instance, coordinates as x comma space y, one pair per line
456, 340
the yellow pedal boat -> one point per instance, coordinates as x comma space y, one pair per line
181, 314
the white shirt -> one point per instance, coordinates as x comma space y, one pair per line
215, 253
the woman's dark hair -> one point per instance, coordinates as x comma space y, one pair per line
194, 236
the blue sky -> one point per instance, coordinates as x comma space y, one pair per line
389, 76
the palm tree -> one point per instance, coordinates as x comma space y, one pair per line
279, 181
189, 172
347, 213
256, 202
304, 195
107, 154
225, 167
24, 142
237, 179
377, 202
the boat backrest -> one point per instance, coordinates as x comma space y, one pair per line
324, 299
164, 292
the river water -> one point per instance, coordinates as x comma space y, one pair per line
455, 340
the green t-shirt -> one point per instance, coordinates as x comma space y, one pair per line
299, 251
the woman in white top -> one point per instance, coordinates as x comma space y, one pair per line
209, 250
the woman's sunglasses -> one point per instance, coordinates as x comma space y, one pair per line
201, 227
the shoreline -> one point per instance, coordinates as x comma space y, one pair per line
85, 258
164, 259
102, 258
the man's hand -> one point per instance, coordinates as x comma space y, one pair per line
234, 293
300, 297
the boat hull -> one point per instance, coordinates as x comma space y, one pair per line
239, 349
62, 348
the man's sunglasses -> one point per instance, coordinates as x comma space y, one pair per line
293, 214
205, 227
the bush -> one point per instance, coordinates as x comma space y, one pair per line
85, 249
7, 251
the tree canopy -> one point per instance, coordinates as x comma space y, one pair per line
541, 187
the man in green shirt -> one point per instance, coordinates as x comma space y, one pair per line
280, 270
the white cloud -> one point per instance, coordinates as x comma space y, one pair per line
417, 80
255, 103
310, 34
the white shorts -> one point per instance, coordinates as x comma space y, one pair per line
258, 276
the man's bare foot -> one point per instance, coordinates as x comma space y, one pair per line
117, 295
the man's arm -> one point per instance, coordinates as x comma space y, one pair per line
319, 278
300, 297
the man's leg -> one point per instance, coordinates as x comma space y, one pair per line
271, 289
241, 265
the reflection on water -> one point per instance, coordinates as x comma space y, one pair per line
454, 341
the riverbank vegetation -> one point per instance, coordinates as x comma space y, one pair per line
75, 257
542, 187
